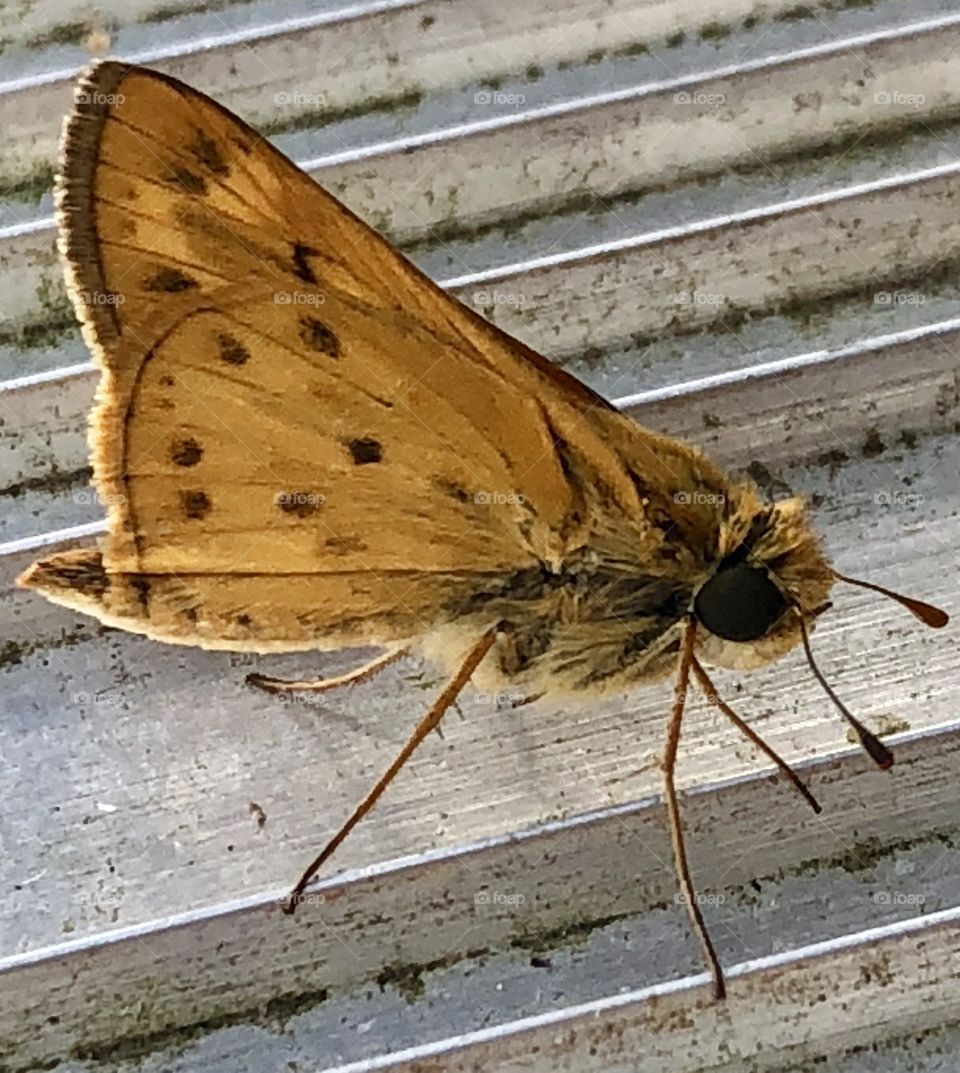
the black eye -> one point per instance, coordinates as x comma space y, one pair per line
739, 603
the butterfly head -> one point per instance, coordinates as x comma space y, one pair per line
771, 572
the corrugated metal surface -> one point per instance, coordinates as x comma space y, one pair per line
741, 222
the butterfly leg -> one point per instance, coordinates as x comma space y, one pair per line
429, 721
668, 764
323, 685
751, 735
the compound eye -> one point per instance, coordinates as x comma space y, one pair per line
739, 603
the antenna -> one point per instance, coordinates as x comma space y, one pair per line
927, 613
878, 752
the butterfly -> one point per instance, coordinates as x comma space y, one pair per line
304, 443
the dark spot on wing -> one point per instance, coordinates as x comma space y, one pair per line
190, 614
364, 451
301, 266
345, 545
190, 182
206, 150
167, 381
319, 337
195, 504
186, 452
170, 280
232, 351
244, 620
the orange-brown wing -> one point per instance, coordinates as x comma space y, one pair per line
284, 395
